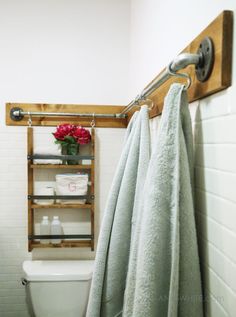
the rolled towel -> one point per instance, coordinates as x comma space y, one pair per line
47, 150
45, 191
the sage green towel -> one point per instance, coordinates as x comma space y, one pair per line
164, 277
111, 264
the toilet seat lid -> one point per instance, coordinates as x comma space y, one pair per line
58, 270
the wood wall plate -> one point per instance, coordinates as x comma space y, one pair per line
54, 121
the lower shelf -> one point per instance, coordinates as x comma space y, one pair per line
61, 206
63, 244
83, 240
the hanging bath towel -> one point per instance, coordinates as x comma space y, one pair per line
164, 277
111, 264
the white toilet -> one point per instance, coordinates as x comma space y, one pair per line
58, 288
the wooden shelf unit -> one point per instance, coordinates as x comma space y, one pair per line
87, 243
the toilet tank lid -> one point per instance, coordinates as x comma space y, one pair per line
58, 270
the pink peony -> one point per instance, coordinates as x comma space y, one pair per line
82, 135
64, 130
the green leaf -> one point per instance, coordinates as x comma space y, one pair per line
70, 139
61, 142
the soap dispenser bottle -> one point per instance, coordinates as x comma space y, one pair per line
56, 229
45, 229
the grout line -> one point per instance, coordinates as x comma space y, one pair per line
218, 277
208, 266
229, 114
213, 194
213, 143
218, 250
216, 300
218, 223
214, 169
20, 295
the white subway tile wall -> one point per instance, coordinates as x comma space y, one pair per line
13, 209
215, 188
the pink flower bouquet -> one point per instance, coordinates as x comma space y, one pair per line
71, 134
70, 137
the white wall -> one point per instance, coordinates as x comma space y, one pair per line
54, 51
159, 30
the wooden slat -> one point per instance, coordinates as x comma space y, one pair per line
30, 185
54, 121
64, 244
60, 206
92, 179
61, 166
220, 31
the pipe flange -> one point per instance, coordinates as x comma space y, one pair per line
206, 51
15, 114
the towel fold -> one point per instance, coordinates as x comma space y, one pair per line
108, 284
47, 150
164, 277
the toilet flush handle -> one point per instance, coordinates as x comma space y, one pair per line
24, 281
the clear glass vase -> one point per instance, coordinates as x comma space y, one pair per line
70, 149
64, 152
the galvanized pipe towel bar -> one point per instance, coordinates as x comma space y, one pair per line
203, 61
18, 114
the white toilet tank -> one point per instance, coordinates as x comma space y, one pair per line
58, 288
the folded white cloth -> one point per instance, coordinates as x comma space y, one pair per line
43, 161
72, 185
71, 202
47, 150
46, 191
